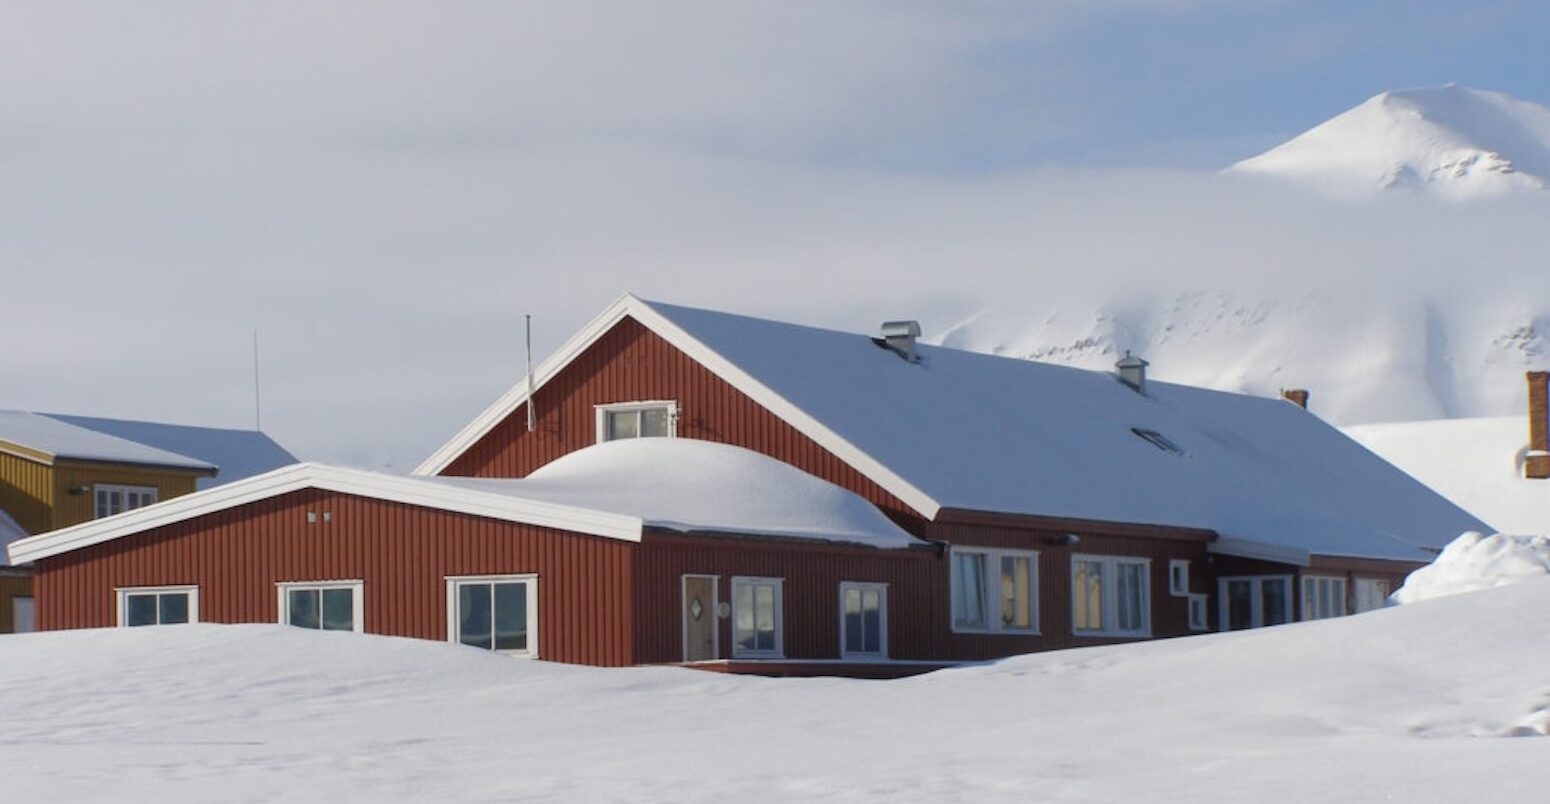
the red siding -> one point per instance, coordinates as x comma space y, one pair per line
630, 363
402, 553
810, 593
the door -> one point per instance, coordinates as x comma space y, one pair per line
22, 615
1254, 601
699, 616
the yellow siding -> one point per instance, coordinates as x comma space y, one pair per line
12, 586
27, 492
73, 509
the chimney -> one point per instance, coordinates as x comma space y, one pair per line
1296, 396
1537, 463
1131, 371
899, 336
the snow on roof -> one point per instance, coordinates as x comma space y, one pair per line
999, 434
237, 453
1477, 463
10, 531
61, 439
690, 485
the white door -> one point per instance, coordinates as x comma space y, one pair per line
23, 615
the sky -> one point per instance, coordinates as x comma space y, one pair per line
382, 190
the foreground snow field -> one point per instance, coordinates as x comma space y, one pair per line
1406, 704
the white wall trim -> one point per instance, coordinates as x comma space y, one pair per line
531, 579
376, 485
642, 312
122, 594
357, 604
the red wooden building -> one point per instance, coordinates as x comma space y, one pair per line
924, 505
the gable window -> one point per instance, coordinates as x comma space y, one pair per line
1178, 577
325, 606
994, 590
1110, 596
636, 420
158, 605
110, 500
1252, 601
863, 620
1322, 597
756, 617
1371, 593
494, 612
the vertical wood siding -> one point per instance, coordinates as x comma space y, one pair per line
73, 509
630, 363
27, 492
811, 573
402, 553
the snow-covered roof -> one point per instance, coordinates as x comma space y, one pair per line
611, 490
973, 431
55, 439
689, 485
237, 453
1477, 463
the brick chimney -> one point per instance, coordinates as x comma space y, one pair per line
1296, 396
1537, 463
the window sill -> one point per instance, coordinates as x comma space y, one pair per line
1113, 634
996, 631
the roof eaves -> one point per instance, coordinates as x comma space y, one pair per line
1244, 548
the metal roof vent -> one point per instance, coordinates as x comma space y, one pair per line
1131, 371
899, 337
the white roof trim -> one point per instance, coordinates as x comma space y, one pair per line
632, 307
1243, 548
299, 476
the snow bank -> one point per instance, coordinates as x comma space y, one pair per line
1473, 562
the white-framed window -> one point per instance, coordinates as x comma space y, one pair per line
1197, 613
157, 605
494, 612
994, 591
1253, 601
1111, 596
322, 605
658, 419
1322, 597
1178, 577
111, 499
757, 618
863, 620
1371, 593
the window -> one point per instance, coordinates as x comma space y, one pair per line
158, 605
1157, 440
494, 612
756, 617
1322, 597
112, 500
1252, 601
1178, 577
1003, 602
636, 420
863, 620
327, 606
1371, 593
1110, 596
23, 615
1197, 613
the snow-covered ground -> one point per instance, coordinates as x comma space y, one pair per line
1405, 704
1476, 463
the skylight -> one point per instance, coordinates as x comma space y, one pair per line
1158, 440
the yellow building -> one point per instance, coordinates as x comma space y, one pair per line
57, 471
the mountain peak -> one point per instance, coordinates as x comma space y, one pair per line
1452, 141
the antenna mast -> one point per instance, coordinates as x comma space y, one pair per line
531, 418
258, 417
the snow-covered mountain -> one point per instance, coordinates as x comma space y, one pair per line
1364, 359
1449, 141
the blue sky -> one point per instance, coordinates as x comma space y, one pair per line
383, 188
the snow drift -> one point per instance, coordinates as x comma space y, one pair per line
1473, 562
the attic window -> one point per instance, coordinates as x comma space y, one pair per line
1157, 440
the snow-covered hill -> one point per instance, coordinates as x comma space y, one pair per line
1405, 704
1365, 358
1449, 141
